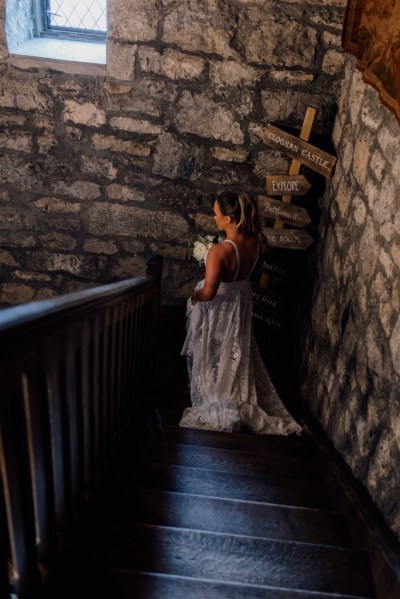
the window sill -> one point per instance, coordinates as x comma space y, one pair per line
63, 50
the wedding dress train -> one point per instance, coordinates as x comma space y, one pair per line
229, 384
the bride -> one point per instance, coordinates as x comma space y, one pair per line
229, 385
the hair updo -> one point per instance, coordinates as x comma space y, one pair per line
242, 208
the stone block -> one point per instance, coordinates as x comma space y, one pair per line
132, 98
134, 125
208, 26
271, 163
170, 63
83, 190
231, 73
359, 211
121, 60
123, 220
100, 167
377, 164
59, 241
204, 223
200, 115
12, 119
17, 239
10, 219
76, 265
176, 160
18, 172
133, 247
227, 155
389, 142
55, 205
114, 144
175, 252
14, 293
292, 77
46, 142
333, 63
83, 114
7, 259
133, 21
124, 193
386, 207
24, 95
99, 246
276, 39
32, 276
130, 266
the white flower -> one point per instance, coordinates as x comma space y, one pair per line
202, 245
199, 250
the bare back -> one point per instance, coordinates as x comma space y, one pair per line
247, 247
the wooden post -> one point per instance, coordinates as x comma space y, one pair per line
305, 133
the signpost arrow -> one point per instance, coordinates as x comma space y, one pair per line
300, 150
294, 239
280, 185
293, 215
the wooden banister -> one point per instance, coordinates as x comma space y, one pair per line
72, 375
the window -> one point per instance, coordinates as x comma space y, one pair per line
63, 30
75, 19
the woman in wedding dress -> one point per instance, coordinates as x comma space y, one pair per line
229, 385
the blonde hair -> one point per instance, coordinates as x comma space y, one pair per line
242, 208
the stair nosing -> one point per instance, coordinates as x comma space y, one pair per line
243, 501
340, 548
242, 585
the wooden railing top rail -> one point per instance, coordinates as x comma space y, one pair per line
24, 318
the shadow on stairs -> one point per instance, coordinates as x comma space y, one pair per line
189, 514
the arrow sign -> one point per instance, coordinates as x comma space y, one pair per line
294, 239
300, 150
281, 185
293, 215
273, 269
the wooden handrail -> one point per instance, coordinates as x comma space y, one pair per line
73, 371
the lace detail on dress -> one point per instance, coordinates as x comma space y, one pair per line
229, 384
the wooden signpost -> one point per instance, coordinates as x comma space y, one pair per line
300, 150
280, 185
294, 239
287, 186
292, 215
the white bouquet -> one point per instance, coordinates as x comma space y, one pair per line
201, 246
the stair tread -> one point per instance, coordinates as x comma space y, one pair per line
290, 445
235, 517
233, 485
147, 585
246, 462
241, 559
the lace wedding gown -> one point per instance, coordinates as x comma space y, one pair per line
229, 384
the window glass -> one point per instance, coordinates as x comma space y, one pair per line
75, 16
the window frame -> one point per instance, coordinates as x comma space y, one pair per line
41, 28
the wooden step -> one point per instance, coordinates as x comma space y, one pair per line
144, 585
184, 479
236, 517
290, 445
242, 559
241, 462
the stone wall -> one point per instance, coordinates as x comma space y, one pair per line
351, 369
100, 168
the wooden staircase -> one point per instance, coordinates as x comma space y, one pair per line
190, 514
215, 515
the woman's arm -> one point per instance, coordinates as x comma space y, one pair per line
215, 268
